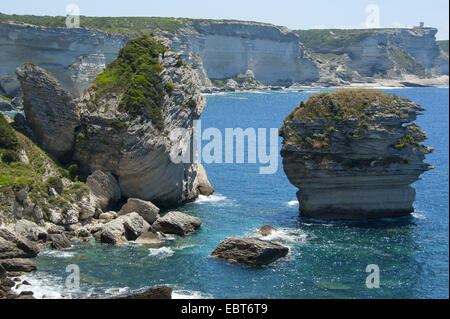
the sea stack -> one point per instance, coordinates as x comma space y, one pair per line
353, 154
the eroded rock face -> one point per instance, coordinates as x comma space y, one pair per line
353, 156
49, 109
249, 251
139, 150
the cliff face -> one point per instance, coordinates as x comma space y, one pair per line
137, 147
223, 50
228, 49
73, 56
352, 154
352, 55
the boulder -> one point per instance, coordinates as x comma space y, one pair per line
18, 264
123, 229
104, 191
266, 231
10, 250
49, 110
250, 251
177, 223
29, 249
152, 293
146, 209
108, 216
59, 241
30, 230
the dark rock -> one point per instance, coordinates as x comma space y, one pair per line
18, 264
177, 223
59, 241
250, 251
152, 293
29, 249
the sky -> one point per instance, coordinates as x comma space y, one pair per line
294, 14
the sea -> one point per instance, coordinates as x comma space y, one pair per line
325, 260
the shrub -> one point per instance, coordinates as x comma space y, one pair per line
73, 172
8, 138
55, 183
180, 62
170, 87
136, 74
10, 156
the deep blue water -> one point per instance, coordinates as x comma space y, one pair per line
326, 260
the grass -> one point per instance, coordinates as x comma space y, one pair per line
136, 74
338, 39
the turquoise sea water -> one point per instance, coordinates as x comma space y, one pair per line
326, 260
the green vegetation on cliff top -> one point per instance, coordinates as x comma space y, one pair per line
136, 74
341, 105
125, 25
338, 39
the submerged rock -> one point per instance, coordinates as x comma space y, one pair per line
150, 237
266, 231
152, 293
250, 251
353, 156
146, 209
177, 223
49, 110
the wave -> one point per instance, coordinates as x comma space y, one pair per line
293, 203
189, 294
210, 199
162, 252
44, 286
57, 253
283, 235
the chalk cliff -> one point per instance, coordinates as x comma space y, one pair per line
225, 50
353, 155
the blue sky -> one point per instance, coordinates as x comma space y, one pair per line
294, 14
